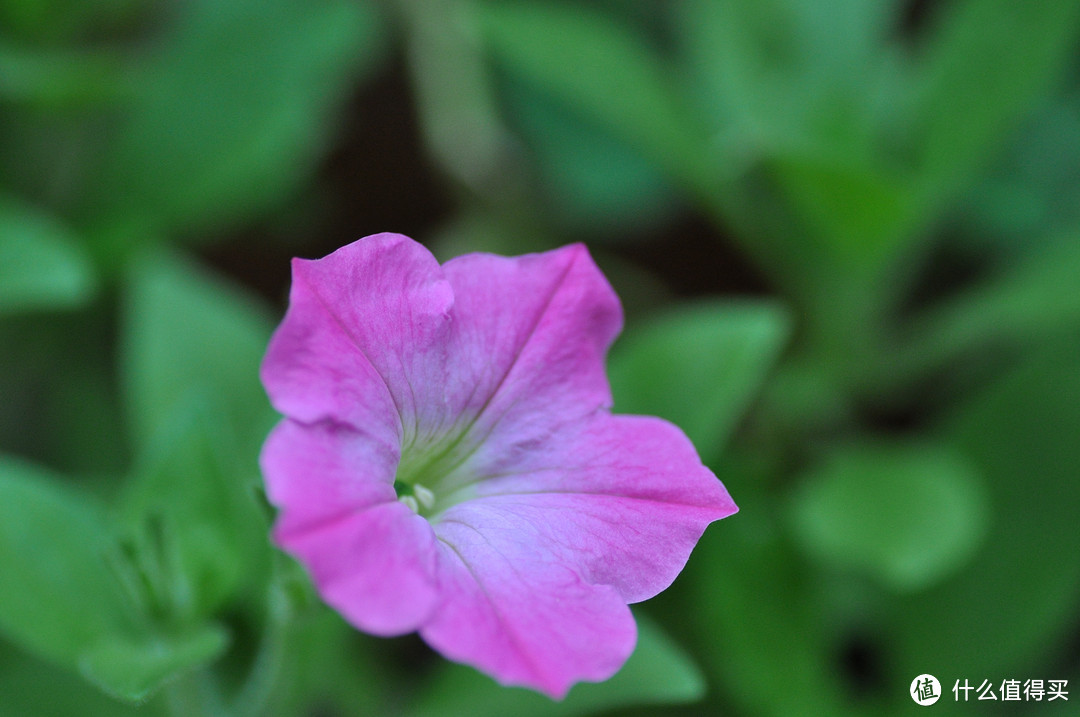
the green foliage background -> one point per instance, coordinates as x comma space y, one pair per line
846, 234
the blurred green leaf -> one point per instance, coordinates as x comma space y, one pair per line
1033, 191
192, 349
1034, 299
325, 660
79, 406
657, 673
984, 64
595, 181
53, 22
909, 515
62, 599
131, 670
57, 79
59, 596
42, 265
37, 689
216, 534
808, 91
603, 71
1017, 599
801, 97
231, 112
758, 613
57, 379
187, 333
862, 212
698, 366
789, 77
454, 96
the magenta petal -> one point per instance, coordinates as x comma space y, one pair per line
317, 473
539, 564
530, 337
364, 339
513, 612
622, 499
376, 567
370, 557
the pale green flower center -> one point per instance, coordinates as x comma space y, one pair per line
432, 478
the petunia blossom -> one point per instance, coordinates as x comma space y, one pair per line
449, 463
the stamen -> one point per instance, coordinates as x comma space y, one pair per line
424, 496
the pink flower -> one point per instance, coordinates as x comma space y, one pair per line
449, 462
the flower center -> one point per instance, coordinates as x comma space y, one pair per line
428, 476
416, 496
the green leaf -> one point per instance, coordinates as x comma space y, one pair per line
698, 366
595, 181
606, 73
30, 687
58, 596
58, 79
231, 114
187, 333
985, 64
786, 82
1016, 602
1038, 297
757, 613
327, 657
1029, 302
42, 265
61, 597
788, 76
192, 349
908, 515
131, 670
60, 406
53, 23
657, 673
862, 212
213, 536
1033, 190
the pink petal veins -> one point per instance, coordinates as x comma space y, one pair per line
364, 339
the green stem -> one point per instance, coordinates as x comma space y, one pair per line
254, 696
459, 115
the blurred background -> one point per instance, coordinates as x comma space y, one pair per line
845, 233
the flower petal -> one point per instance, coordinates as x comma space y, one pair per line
530, 335
364, 339
537, 567
376, 567
371, 558
511, 611
316, 473
622, 500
